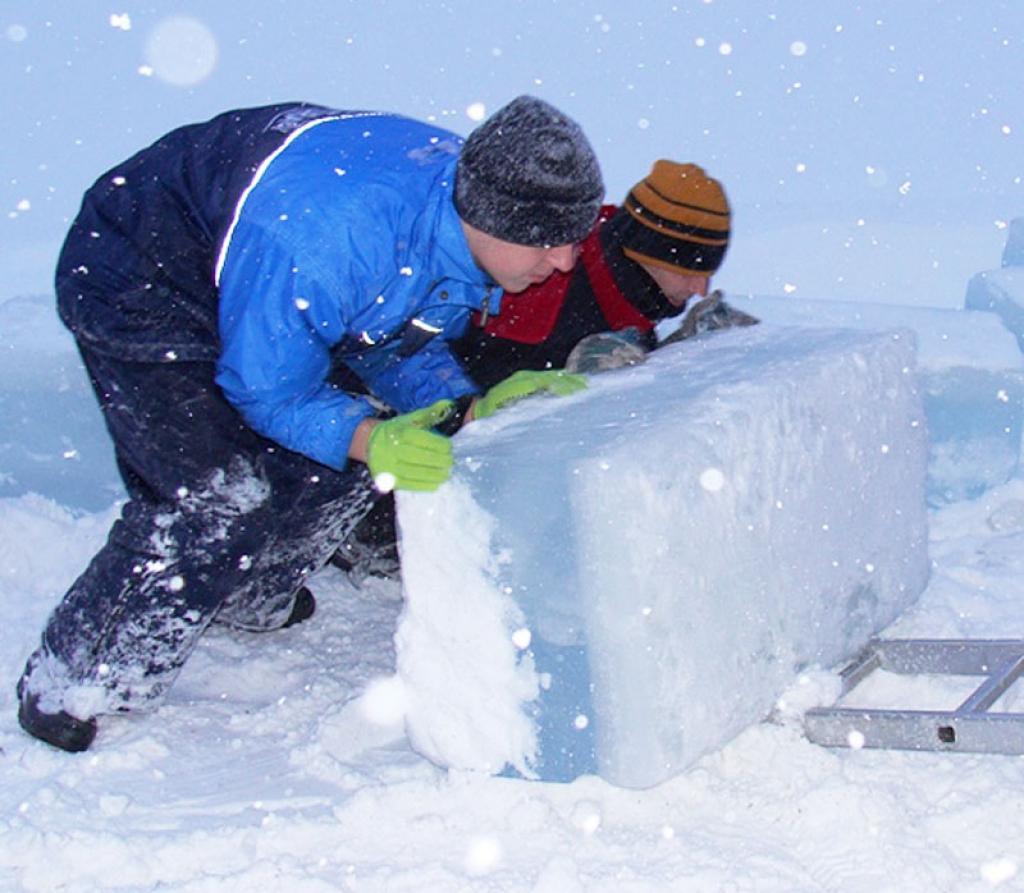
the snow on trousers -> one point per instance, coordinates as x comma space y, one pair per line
221, 524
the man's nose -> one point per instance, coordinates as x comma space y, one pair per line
700, 285
562, 257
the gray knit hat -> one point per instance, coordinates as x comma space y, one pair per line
528, 175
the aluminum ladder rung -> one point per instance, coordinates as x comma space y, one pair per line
971, 727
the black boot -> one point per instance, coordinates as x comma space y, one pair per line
305, 605
60, 729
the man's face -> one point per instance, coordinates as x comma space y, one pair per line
517, 267
678, 286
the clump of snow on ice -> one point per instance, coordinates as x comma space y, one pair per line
455, 605
16, 33
122, 21
476, 111
798, 48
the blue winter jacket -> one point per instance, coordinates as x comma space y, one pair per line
280, 243
348, 241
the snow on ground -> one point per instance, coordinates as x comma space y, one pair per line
269, 769
278, 762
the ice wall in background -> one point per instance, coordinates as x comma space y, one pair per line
675, 542
1013, 251
1002, 291
971, 376
52, 438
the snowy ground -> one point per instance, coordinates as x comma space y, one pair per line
265, 770
274, 764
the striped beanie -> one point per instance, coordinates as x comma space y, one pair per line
678, 218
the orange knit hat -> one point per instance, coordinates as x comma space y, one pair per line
679, 219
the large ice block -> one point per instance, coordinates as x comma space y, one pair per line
971, 377
620, 581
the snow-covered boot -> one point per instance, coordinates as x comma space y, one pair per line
60, 729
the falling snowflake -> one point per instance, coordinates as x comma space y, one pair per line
181, 51
712, 479
483, 855
384, 701
521, 638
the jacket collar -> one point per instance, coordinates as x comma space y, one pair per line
453, 250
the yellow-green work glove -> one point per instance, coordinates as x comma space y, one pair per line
404, 454
524, 383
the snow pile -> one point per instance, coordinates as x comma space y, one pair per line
757, 494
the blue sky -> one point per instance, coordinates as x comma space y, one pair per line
828, 122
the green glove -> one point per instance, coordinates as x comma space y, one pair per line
403, 453
523, 384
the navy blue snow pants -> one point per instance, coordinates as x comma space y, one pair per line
221, 524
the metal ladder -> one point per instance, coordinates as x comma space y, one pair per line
969, 728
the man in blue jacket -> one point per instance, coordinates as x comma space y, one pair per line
221, 284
